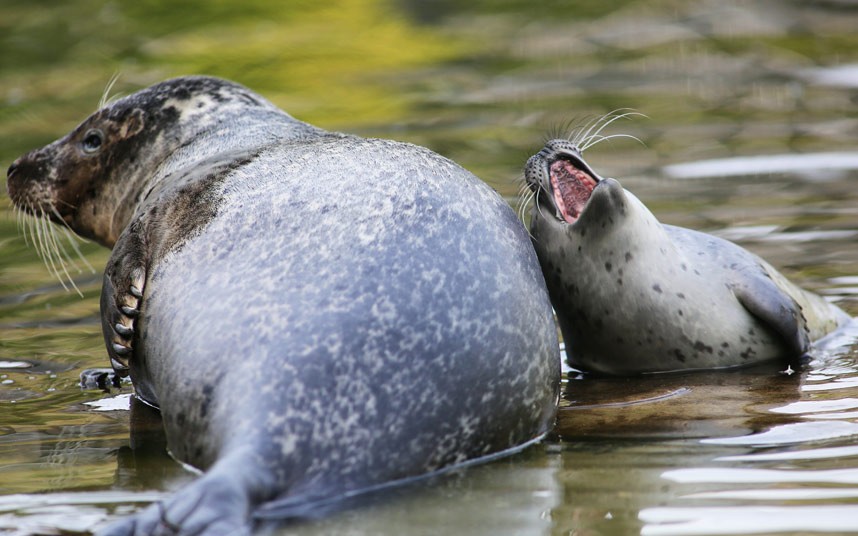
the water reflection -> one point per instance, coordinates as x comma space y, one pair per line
752, 519
800, 462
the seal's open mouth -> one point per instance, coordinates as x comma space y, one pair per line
571, 187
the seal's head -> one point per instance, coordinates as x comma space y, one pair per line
93, 178
569, 197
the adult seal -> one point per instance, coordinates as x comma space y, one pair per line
634, 296
315, 314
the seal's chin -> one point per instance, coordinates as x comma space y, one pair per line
571, 188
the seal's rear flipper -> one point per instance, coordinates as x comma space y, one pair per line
778, 312
217, 503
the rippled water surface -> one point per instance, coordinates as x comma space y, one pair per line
750, 133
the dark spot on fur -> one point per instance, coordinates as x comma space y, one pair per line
701, 347
679, 355
657, 288
608, 266
680, 312
628, 256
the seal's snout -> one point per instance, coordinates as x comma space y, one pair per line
562, 179
12, 169
13, 182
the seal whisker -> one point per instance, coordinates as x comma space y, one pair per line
72, 239
43, 248
105, 99
597, 139
37, 241
61, 254
33, 224
607, 120
19, 223
67, 204
581, 132
28, 231
599, 123
523, 187
26, 227
45, 226
524, 202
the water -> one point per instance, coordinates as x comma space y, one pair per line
750, 134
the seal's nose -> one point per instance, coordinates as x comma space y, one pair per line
12, 169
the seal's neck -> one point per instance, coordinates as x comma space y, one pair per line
200, 145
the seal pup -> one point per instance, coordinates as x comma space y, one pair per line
633, 296
315, 314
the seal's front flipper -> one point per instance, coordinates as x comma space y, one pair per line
121, 298
777, 311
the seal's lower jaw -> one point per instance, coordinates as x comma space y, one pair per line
571, 188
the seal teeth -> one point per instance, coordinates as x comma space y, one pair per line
560, 205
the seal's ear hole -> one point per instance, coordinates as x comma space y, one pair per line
133, 124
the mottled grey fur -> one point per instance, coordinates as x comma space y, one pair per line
313, 313
633, 295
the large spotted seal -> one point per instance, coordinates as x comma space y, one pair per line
634, 296
314, 313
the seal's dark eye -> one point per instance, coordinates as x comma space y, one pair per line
92, 140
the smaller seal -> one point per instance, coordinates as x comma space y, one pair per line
634, 296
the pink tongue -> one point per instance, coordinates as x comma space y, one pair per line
572, 188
